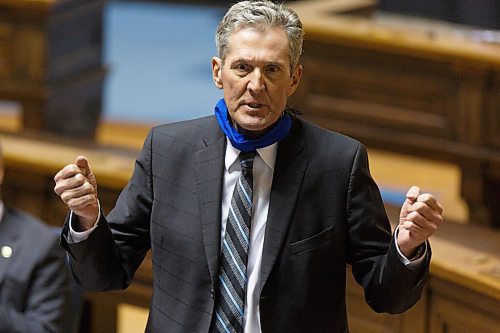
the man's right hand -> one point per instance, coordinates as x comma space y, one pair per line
77, 187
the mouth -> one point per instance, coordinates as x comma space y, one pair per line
254, 105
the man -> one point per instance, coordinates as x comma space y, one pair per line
34, 278
271, 256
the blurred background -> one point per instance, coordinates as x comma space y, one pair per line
418, 82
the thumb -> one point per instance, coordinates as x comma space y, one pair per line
413, 193
83, 164
411, 197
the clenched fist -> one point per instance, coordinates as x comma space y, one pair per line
420, 216
77, 187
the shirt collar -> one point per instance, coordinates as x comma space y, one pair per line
268, 155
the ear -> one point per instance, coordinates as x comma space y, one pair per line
217, 71
296, 75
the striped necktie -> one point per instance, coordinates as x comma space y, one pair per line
231, 293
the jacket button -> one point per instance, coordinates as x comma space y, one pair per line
212, 293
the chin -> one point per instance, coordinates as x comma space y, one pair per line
253, 130
252, 124
253, 127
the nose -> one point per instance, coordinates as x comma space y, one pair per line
256, 81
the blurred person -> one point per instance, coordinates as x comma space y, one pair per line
34, 277
251, 214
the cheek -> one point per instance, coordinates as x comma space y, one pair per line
233, 90
280, 97
290, 88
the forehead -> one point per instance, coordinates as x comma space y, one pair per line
259, 44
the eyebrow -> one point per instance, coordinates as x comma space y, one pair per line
246, 60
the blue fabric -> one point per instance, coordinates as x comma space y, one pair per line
278, 132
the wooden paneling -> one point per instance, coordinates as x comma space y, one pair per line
362, 88
454, 309
493, 111
50, 61
411, 90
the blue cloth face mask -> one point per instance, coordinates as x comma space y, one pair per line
275, 134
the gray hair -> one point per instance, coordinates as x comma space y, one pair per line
261, 14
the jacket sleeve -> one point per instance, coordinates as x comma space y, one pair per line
109, 257
389, 285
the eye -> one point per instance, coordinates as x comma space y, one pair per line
272, 69
242, 67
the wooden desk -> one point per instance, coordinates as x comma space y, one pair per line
50, 62
425, 90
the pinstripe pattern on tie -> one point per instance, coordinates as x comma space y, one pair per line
231, 293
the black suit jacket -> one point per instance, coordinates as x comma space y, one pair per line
34, 280
325, 211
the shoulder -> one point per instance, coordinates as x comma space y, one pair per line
319, 138
199, 126
185, 133
31, 227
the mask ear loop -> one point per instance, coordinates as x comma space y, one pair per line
291, 111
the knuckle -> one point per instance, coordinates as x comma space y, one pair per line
425, 196
418, 206
412, 216
89, 188
422, 206
66, 197
75, 182
68, 169
408, 224
75, 203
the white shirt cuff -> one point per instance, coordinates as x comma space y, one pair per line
407, 262
80, 236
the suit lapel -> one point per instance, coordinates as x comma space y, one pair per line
209, 173
289, 173
9, 236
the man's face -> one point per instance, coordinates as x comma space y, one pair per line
256, 78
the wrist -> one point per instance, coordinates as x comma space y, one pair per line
412, 252
83, 223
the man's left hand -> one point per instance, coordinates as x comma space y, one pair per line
420, 216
